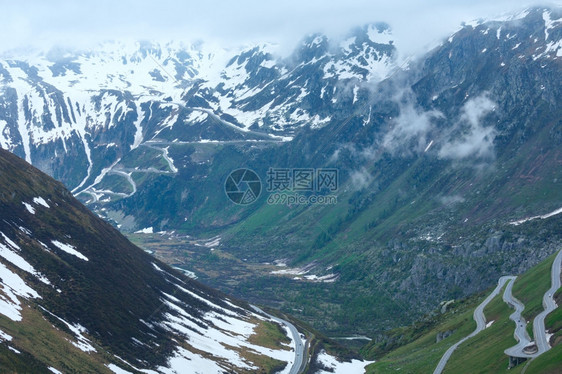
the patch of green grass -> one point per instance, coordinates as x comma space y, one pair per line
116, 183
50, 346
22, 362
547, 363
266, 364
145, 157
553, 321
270, 335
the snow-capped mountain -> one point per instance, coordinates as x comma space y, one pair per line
435, 160
74, 114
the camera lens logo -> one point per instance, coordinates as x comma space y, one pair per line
243, 186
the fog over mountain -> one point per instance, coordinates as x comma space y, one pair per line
416, 25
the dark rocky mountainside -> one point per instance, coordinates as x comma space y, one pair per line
77, 296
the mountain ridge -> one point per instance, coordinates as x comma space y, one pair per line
456, 148
105, 103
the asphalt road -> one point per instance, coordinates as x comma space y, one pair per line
299, 363
520, 332
480, 323
128, 177
539, 330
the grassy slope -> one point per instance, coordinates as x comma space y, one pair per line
423, 353
547, 363
110, 295
554, 319
484, 352
38, 339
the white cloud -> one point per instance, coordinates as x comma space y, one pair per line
462, 136
451, 200
412, 124
360, 179
71, 23
477, 141
370, 153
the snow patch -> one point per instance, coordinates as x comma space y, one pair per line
146, 230
69, 249
549, 23
82, 343
302, 273
117, 370
331, 363
291, 271
18, 261
222, 329
40, 201
214, 242
544, 216
24, 230
13, 286
185, 361
157, 268
188, 273
14, 350
4, 336
169, 160
328, 278
29, 208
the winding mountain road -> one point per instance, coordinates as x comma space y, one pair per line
299, 363
212, 142
480, 319
520, 334
539, 330
126, 173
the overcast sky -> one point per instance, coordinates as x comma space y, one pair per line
415, 23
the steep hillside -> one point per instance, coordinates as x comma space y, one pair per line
76, 296
419, 348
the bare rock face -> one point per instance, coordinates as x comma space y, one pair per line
443, 335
